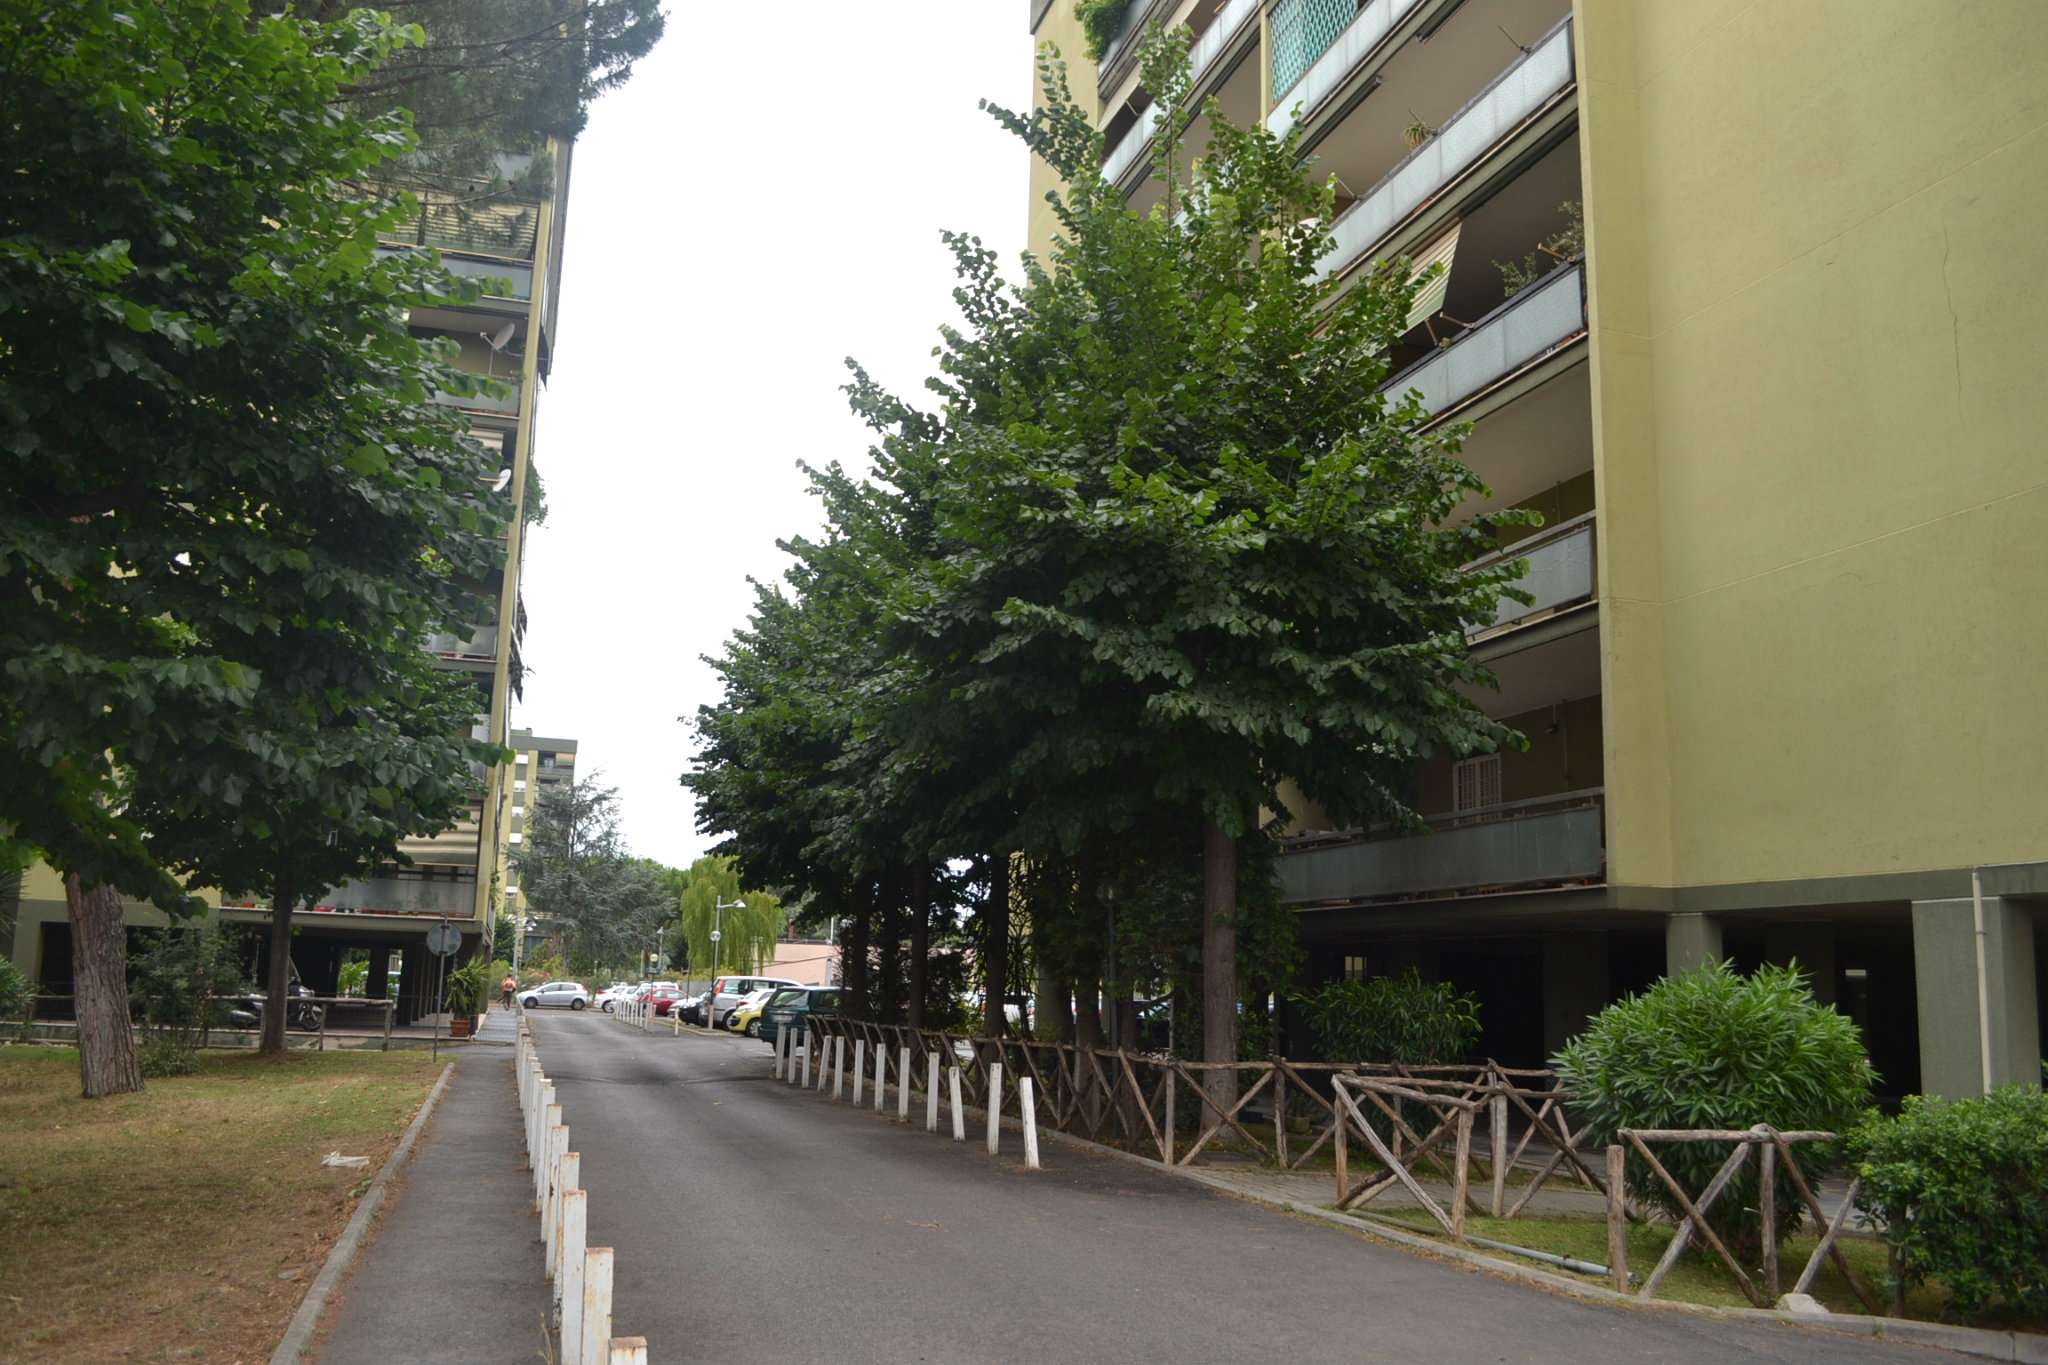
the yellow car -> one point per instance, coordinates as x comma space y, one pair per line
746, 1016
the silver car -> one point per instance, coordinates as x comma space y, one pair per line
559, 994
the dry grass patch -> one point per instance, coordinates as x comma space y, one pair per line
183, 1223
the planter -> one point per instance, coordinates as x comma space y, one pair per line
458, 1027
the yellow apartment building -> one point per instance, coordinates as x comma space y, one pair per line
514, 244
1773, 390
538, 764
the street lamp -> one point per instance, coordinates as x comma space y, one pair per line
711, 994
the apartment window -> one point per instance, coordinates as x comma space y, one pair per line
518, 838
521, 758
519, 812
1354, 969
519, 784
1475, 784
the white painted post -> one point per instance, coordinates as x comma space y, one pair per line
959, 1119
558, 1143
806, 1045
882, 1075
1027, 1101
570, 1169
995, 1106
629, 1351
903, 1085
597, 1305
781, 1051
860, 1066
538, 1140
550, 1119
838, 1066
569, 1284
931, 1092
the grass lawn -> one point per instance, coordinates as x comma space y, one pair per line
1697, 1278
183, 1223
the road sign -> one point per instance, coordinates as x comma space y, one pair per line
443, 939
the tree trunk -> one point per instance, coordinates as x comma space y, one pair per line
995, 948
278, 980
1088, 1011
920, 940
99, 982
1219, 962
889, 919
854, 960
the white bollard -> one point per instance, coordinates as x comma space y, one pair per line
806, 1045
535, 1139
838, 1067
628, 1351
781, 1052
959, 1118
903, 1085
931, 1092
551, 1118
1028, 1103
597, 1306
995, 1106
558, 1143
569, 1284
860, 1066
570, 1174
882, 1075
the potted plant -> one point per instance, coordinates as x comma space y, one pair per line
1417, 132
466, 989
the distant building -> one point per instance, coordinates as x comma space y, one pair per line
538, 764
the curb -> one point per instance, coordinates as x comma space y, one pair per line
300, 1333
2024, 1348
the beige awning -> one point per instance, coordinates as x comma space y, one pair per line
1429, 300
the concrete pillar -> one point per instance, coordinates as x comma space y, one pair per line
1574, 985
1946, 984
377, 985
1691, 939
1812, 946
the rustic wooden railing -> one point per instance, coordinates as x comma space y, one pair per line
1771, 1147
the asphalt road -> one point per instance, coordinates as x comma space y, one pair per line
758, 1222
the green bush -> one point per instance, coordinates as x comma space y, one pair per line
14, 991
181, 979
162, 1055
1393, 1019
1961, 1191
1100, 20
1715, 1049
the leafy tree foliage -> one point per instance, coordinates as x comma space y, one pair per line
746, 934
608, 908
1393, 1019
230, 512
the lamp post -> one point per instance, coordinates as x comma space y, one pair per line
711, 995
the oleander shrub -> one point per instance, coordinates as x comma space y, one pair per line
1712, 1048
1393, 1019
1960, 1189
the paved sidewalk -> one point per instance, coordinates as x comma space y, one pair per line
500, 1024
453, 1273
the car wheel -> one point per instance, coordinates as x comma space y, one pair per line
754, 1029
576, 1004
606, 1007
532, 1002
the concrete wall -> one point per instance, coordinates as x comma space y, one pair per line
1816, 286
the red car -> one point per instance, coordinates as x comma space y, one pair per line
663, 998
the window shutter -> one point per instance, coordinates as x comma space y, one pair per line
1475, 784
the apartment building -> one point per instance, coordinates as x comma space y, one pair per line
513, 242
1762, 362
538, 765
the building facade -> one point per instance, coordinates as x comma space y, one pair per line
1757, 354
538, 764
514, 244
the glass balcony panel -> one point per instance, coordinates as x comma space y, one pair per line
482, 644
504, 279
1560, 571
454, 897
1535, 78
1544, 842
1533, 322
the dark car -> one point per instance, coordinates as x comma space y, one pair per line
791, 1008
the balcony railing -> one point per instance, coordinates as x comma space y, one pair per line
483, 644
1548, 841
454, 897
1136, 15
506, 404
1467, 138
1208, 49
1310, 61
1560, 572
1535, 322
474, 218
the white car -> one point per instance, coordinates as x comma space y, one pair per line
560, 994
612, 995
729, 991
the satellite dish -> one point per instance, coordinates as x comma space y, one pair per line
498, 340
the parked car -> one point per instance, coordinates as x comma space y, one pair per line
728, 991
791, 1008
745, 1017
691, 1007
664, 997
612, 995
557, 994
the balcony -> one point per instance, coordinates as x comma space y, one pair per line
480, 647
1531, 84
1237, 19
495, 405
449, 897
1525, 329
480, 221
1560, 574
1312, 58
1518, 845
1120, 52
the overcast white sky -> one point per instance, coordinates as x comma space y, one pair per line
763, 199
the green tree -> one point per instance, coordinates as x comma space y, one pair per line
608, 907
216, 440
746, 933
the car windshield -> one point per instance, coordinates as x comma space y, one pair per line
784, 996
